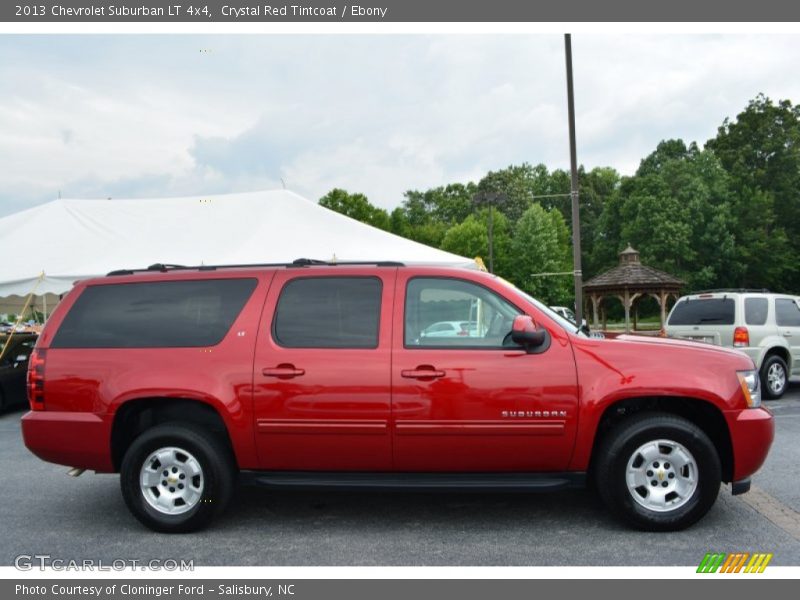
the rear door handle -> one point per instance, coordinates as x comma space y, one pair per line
787, 334
283, 372
422, 372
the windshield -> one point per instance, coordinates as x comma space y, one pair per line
565, 324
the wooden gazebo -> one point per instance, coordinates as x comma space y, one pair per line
630, 281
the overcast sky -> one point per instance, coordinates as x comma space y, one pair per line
143, 116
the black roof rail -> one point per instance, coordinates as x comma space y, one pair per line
733, 291
299, 262
164, 267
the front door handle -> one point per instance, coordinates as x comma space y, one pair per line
787, 334
284, 371
422, 372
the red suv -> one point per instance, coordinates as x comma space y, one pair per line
333, 375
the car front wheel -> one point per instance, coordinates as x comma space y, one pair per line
176, 478
658, 472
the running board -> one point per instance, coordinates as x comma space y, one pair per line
500, 482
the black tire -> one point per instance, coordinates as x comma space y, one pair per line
218, 476
619, 447
770, 362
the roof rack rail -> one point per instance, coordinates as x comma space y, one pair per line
164, 267
299, 262
734, 290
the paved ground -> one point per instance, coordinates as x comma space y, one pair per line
44, 511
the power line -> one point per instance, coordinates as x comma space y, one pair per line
570, 273
551, 196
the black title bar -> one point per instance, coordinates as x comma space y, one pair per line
149, 11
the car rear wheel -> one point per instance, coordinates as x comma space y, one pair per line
177, 478
774, 376
658, 472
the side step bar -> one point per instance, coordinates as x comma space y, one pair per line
501, 482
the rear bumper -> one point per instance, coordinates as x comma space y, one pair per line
68, 438
752, 431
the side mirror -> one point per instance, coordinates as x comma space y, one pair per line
525, 333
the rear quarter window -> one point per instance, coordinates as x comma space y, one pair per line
328, 312
164, 314
755, 311
704, 311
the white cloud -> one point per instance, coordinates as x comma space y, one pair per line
152, 115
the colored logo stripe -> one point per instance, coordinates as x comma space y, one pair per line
734, 563
710, 563
758, 563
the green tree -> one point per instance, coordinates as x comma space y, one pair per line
676, 210
597, 188
425, 216
470, 238
448, 204
763, 251
519, 184
760, 149
356, 206
541, 244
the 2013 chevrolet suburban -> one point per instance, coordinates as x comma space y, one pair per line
186, 379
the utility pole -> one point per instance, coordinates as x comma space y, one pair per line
491, 239
576, 216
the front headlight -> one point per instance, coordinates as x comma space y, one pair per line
750, 387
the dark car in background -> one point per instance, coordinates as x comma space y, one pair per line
13, 369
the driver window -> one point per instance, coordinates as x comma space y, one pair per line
455, 313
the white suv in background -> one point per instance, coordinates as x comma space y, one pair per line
764, 326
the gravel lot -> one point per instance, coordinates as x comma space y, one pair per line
44, 511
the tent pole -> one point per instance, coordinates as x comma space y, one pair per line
20, 315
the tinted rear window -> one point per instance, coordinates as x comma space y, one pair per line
328, 312
703, 311
755, 311
165, 314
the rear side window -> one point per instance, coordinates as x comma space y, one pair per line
703, 311
328, 312
755, 311
164, 314
787, 313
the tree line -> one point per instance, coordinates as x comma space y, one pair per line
724, 215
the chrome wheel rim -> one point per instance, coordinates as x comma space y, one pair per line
662, 475
171, 480
776, 378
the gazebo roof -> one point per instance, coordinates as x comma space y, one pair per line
631, 274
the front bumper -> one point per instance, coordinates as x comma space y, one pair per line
752, 431
740, 487
74, 439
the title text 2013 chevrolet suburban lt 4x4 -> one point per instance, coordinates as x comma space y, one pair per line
307, 374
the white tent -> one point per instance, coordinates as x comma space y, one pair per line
70, 240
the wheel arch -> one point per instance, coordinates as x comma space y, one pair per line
704, 414
782, 352
135, 416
